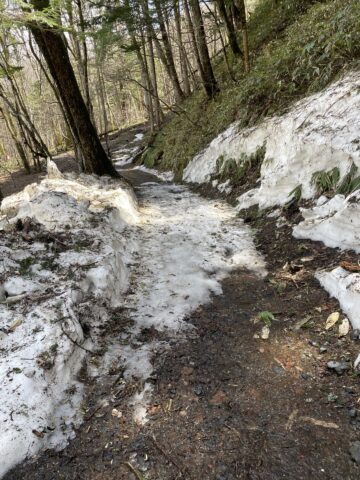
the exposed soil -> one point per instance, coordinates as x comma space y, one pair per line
227, 405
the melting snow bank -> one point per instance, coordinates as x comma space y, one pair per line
62, 266
336, 223
319, 133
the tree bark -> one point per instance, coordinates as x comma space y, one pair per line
54, 51
229, 28
182, 52
208, 77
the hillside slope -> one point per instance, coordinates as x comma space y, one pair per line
298, 47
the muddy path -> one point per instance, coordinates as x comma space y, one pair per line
226, 404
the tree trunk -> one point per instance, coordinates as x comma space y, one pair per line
182, 53
240, 10
52, 47
14, 135
229, 28
208, 77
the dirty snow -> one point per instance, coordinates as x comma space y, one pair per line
187, 245
88, 240
336, 222
320, 132
63, 265
165, 176
345, 287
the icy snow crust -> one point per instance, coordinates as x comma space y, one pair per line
320, 132
86, 242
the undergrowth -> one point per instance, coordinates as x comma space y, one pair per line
235, 170
298, 47
330, 183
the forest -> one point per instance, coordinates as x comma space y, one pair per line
179, 247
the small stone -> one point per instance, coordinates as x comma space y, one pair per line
355, 334
332, 397
338, 367
278, 370
198, 390
355, 451
322, 349
352, 413
313, 343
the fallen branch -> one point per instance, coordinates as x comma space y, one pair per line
76, 343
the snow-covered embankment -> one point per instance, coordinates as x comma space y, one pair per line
61, 267
320, 133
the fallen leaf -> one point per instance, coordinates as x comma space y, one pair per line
344, 328
265, 333
332, 319
219, 398
16, 323
116, 413
350, 267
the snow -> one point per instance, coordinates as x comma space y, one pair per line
186, 246
48, 292
345, 287
90, 241
336, 222
319, 132
164, 176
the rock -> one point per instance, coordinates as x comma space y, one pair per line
338, 367
198, 390
322, 349
52, 170
355, 451
278, 370
355, 334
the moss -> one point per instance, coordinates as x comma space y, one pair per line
298, 47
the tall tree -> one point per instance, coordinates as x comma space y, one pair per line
53, 48
207, 73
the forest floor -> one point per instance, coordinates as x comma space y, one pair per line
226, 404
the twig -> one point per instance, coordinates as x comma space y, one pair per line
76, 343
164, 452
135, 472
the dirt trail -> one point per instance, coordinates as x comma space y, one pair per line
226, 405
